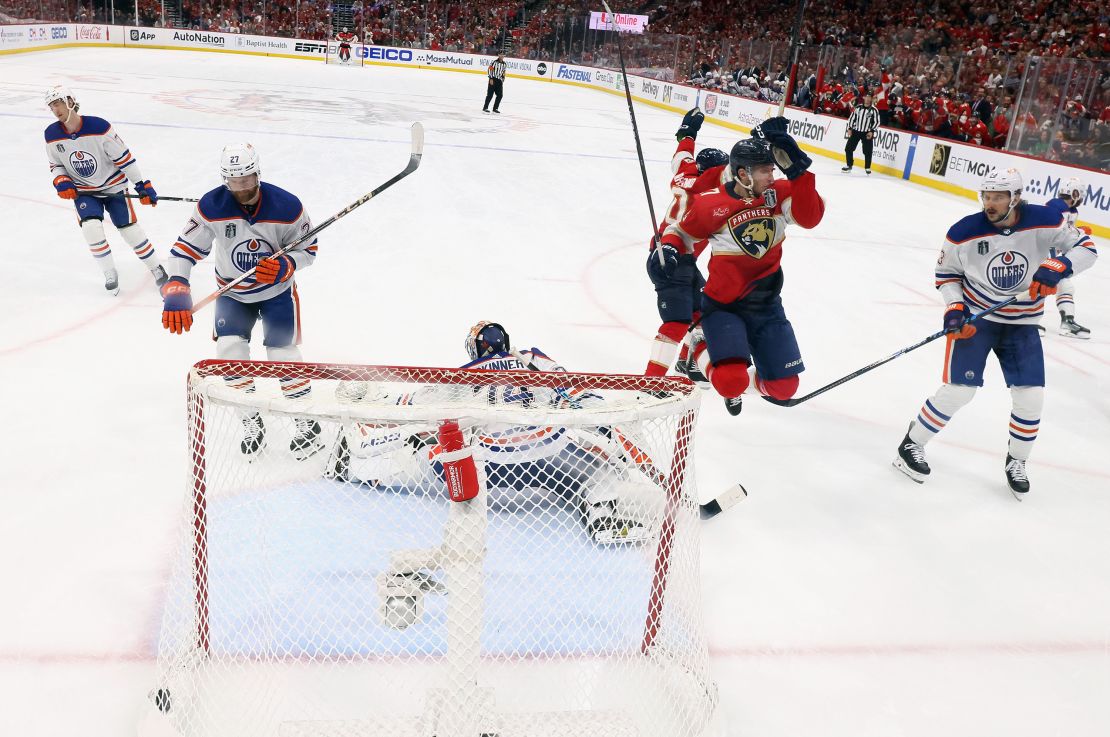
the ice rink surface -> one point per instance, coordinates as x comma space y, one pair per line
840, 598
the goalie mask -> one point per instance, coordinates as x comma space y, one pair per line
486, 339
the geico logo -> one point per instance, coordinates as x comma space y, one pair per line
577, 75
887, 139
59, 32
384, 54
804, 129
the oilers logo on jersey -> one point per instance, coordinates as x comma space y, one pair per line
83, 163
1007, 270
753, 230
246, 254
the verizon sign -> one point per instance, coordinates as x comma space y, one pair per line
624, 22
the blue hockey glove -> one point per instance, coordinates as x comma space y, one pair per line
146, 192
956, 323
670, 261
1048, 275
691, 124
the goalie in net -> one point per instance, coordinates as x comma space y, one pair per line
601, 470
343, 50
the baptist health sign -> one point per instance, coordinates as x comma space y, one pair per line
624, 22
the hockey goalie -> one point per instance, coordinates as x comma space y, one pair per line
600, 472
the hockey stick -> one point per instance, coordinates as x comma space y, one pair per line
793, 78
414, 162
130, 196
888, 359
636, 135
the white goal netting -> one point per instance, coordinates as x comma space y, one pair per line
435, 553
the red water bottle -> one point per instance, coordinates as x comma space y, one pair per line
458, 463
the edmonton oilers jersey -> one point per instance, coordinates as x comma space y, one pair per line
1070, 213
982, 265
242, 238
94, 157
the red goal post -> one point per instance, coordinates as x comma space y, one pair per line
345, 593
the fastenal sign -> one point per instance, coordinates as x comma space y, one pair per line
623, 22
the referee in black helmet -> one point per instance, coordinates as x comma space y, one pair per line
861, 126
496, 74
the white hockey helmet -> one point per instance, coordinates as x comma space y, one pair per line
1003, 180
61, 92
239, 160
486, 338
1073, 189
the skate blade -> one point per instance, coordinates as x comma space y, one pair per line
914, 475
1019, 495
623, 536
304, 452
1077, 336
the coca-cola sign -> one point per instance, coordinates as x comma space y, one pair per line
91, 33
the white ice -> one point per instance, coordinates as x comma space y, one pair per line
840, 598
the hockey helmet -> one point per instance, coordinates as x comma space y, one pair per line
1073, 190
485, 339
708, 158
749, 153
61, 92
1003, 180
239, 160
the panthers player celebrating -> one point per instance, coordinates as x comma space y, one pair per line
91, 165
745, 221
1071, 197
1009, 248
245, 222
677, 280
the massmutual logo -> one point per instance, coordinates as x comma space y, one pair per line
1048, 187
939, 163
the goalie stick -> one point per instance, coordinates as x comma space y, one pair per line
414, 162
888, 359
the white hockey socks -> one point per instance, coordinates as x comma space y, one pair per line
235, 348
93, 230
1065, 297
938, 410
136, 238
293, 388
1025, 419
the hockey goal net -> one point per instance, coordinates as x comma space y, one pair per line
338, 586
353, 56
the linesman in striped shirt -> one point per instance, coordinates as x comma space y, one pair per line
861, 127
496, 74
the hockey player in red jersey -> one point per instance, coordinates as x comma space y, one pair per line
745, 221
677, 280
345, 39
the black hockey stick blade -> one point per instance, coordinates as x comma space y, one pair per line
414, 162
733, 496
161, 198
870, 367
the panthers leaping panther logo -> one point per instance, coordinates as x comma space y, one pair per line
755, 237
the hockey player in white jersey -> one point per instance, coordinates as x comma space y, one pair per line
524, 465
90, 165
244, 222
1009, 249
1070, 198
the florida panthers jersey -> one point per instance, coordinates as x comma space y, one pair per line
1070, 213
241, 239
94, 157
983, 265
745, 234
685, 182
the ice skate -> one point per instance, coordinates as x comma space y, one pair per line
111, 282
305, 443
1070, 328
254, 435
1016, 477
911, 460
606, 528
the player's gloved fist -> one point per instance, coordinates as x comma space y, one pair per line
670, 261
790, 158
956, 321
274, 270
65, 187
147, 195
691, 124
177, 305
1084, 229
770, 126
1048, 275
